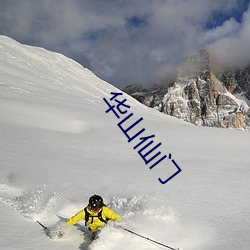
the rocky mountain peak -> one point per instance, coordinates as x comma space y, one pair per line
200, 96
196, 64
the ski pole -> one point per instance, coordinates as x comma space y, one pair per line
146, 238
45, 228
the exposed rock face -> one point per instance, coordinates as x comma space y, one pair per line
237, 81
136, 90
199, 97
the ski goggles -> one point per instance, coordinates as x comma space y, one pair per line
94, 208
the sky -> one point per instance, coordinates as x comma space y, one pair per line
132, 41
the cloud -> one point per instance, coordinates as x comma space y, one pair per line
121, 41
233, 49
228, 28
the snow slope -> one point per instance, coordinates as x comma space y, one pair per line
58, 146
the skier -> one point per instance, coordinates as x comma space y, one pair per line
95, 214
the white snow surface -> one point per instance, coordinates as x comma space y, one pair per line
58, 146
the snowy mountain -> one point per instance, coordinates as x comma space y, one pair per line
201, 95
60, 143
237, 81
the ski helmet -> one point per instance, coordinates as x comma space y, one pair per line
96, 202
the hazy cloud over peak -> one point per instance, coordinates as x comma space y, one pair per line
130, 41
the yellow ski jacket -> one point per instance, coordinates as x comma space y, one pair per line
94, 223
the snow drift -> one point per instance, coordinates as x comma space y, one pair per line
59, 146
